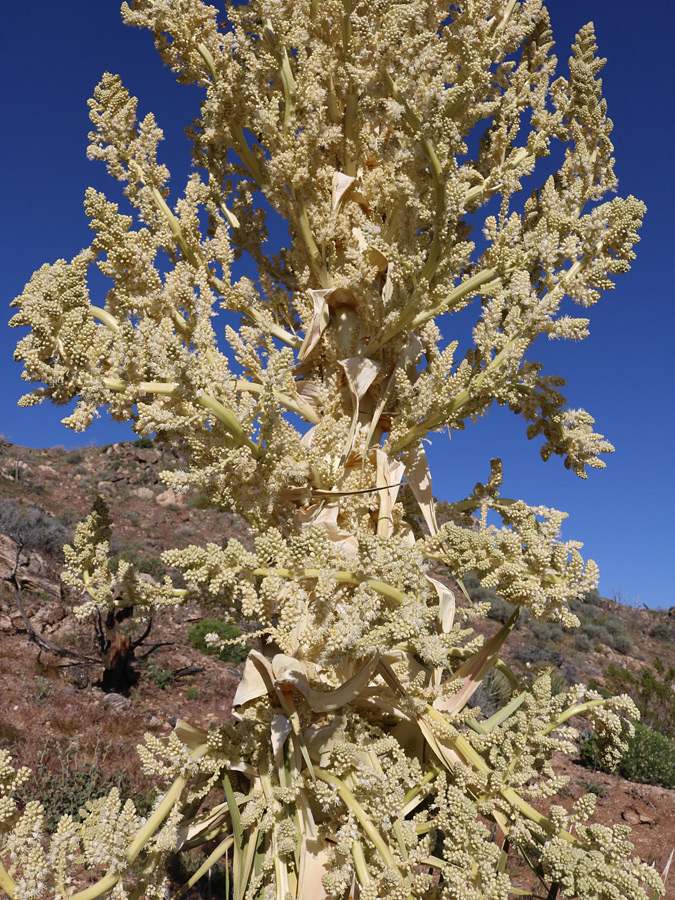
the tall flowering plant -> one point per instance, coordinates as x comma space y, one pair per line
356, 763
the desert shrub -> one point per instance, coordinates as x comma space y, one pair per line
533, 653
649, 758
144, 443
499, 611
34, 527
591, 612
75, 457
651, 689
38, 690
661, 632
614, 625
623, 644
607, 631
159, 676
199, 501
233, 653
69, 775
592, 787
597, 634
595, 685
547, 631
583, 643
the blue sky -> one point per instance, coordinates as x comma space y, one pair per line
55, 54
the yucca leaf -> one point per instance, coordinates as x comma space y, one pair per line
503, 714
474, 669
237, 833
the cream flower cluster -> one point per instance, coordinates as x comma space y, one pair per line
399, 144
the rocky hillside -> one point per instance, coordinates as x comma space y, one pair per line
76, 729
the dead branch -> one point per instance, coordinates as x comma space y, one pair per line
187, 670
40, 639
139, 641
155, 647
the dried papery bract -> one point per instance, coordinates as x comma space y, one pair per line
356, 763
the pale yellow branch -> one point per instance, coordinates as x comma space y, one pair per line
224, 415
7, 883
408, 318
380, 587
431, 264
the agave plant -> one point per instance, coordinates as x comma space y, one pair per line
355, 763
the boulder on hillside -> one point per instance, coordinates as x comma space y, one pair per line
33, 574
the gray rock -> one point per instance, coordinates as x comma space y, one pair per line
78, 677
117, 702
170, 497
630, 815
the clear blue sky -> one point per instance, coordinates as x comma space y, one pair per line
55, 53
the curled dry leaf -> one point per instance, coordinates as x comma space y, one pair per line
446, 599
389, 474
320, 319
418, 476
289, 671
341, 184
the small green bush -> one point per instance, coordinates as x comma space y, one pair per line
608, 630
547, 631
233, 653
144, 443
39, 691
159, 676
591, 612
199, 501
652, 690
593, 787
594, 685
649, 759
192, 693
